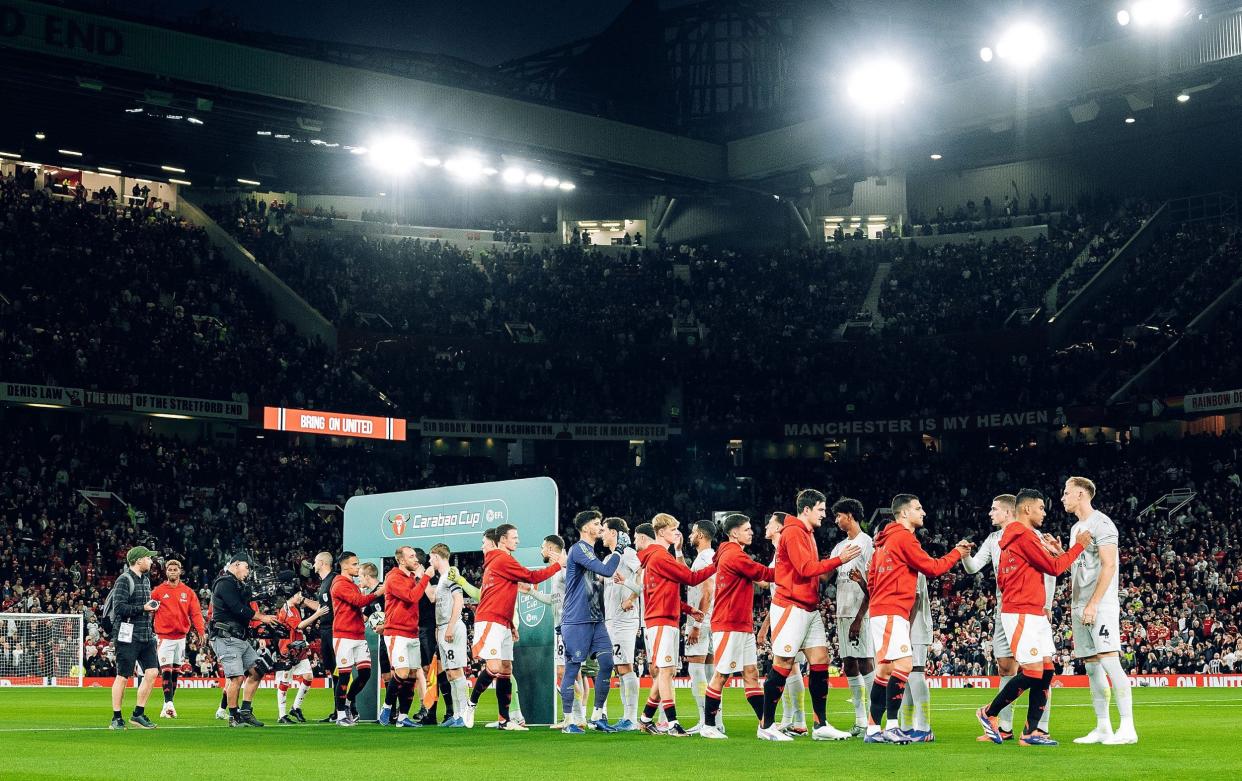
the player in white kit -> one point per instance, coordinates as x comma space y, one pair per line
916, 708
853, 635
1096, 610
622, 619
698, 634
555, 597
449, 600
1004, 509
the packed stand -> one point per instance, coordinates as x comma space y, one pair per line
59, 551
128, 300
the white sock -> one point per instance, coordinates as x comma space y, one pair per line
1046, 719
918, 690
1099, 696
461, 693
858, 692
303, 688
282, 696
629, 696
1121, 685
579, 709
892, 724
796, 687
699, 673
1006, 714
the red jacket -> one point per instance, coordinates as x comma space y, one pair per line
1024, 562
401, 595
347, 604
501, 575
736, 574
798, 567
290, 617
179, 610
895, 566
662, 577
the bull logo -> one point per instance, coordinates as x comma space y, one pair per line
397, 520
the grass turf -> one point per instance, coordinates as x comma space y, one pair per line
59, 734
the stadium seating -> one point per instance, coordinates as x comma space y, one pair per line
198, 501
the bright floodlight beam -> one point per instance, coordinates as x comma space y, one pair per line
1155, 13
1022, 45
513, 175
395, 154
879, 85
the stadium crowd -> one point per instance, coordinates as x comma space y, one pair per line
1181, 575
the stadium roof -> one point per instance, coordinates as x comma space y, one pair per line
187, 100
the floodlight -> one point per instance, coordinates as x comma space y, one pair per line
395, 154
534, 179
1023, 44
1155, 13
514, 175
879, 85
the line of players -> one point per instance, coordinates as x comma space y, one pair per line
882, 614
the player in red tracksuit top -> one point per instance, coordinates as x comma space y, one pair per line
663, 577
892, 583
733, 619
349, 637
493, 620
179, 611
404, 586
797, 624
1025, 559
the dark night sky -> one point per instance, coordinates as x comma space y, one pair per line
482, 31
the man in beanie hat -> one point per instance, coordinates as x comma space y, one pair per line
133, 638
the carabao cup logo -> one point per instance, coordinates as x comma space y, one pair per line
530, 609
397, 521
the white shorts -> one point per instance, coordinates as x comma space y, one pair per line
704, 646
624, 637
560, 648
452, 655
734, 651
351, 653
1030, 636
795, 629
1102, 637
403, 652
302, 668
171, 652
919, 655
1000, 642
890, 635
662, 646
863, 648
493, 641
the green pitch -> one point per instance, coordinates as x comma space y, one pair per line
60, 734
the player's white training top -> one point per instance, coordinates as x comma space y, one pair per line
695, 593
850, 594
558, 596
445, 589
920, 616
615, 593
1086, 568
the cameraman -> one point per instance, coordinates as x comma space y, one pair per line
230, 620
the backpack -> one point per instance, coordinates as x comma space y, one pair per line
107, 620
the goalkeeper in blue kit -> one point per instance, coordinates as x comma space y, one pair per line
582, 619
